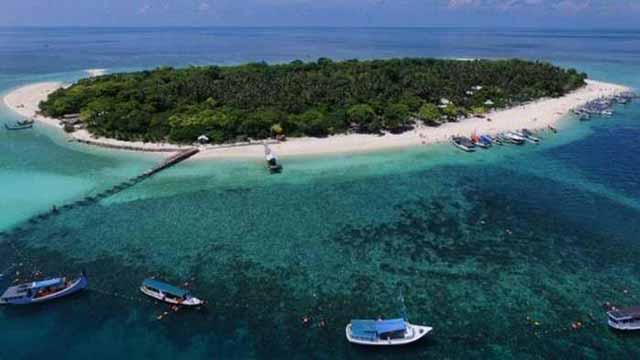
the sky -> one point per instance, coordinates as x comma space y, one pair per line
487, 13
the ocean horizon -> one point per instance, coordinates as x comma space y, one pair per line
502, 251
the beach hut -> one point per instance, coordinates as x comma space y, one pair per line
489, 103
203, 139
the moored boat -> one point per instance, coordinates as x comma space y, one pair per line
624, 319
42, 291
272, 160
21, 125
463, 143
384, 332
492, 140
168, 293
529, 135
514, 138
479, 142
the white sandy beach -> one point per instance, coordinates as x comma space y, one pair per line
536, 115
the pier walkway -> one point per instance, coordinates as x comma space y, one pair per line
165, 164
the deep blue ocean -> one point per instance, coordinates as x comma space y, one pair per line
500, 251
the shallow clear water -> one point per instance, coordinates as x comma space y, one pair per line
482, 246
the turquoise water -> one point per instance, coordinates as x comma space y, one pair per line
499, 250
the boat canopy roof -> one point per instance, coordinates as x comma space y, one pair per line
372, 329
165, 288
47, 283
626, 313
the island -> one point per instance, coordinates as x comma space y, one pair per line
322, 106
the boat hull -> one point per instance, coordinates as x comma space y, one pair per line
625, 326
413, 334
18, 127
463, 148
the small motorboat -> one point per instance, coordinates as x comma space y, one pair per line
503, 138
624, 319
491, 139
477, 141
486, 140
41, 291
384, 332
463, 143
168, 293
514, 138
529, 135
272, 160
20, 125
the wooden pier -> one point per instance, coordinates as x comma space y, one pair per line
165, 164
172, 160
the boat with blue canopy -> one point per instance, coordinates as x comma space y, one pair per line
385, 332
168, 293
41, 291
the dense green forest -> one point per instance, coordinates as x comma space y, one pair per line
320, 98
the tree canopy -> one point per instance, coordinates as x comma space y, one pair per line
320, 98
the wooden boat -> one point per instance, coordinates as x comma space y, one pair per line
477, 141
529, 135
514, 138
384, 332
491, 139
272, 160
463, 143
624, 319
42, 291
19, 126
168, 293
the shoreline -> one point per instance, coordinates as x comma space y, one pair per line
536, 115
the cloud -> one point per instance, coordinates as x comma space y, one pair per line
462, 3
204, 6
144, 8
571, 6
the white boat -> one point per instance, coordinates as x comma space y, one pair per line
625, 319
385, 332
514, 138
272, 161
463, 143
167, 293
529, 136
